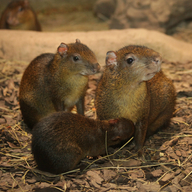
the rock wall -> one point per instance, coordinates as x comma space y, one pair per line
159, 15
104, 9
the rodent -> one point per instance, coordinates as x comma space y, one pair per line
56, 82
62, 139
134, 87
19, 15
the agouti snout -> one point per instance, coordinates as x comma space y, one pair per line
133, 86
19, 15
62, 139
56, 82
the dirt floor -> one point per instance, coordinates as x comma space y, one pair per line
168, 154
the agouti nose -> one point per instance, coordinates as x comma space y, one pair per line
96, 67
157, 60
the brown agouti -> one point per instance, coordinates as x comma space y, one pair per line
133, 86
56, 82
62, 139
19, 15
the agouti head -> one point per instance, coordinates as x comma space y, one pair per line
120, 130
20, 15
139, 62
76, 58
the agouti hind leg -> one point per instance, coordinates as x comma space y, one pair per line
69, 161
30, 114
140, 135
162, 121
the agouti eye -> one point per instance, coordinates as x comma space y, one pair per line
129, 60
20, 9
75, 58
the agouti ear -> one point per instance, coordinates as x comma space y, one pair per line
62, 49
115, 138
111, 58
26, 3
78, 41
113, 121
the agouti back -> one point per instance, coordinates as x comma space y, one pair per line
62, 139
133, 86
19, 15
56, 82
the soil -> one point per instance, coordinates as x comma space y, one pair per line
166, 165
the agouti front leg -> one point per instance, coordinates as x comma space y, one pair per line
140, 135
80, 105
59, 105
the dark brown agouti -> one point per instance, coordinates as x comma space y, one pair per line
133, 86
19, 15
56, 82
62, 139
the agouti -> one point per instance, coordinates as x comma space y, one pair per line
134, 87
62, 139
19, 15
56, 82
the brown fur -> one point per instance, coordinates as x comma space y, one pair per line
133, 91
62, 139
56, 82
19, 15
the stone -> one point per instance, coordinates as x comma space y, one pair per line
33, 44
160, 15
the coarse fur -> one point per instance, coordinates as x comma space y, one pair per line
62, 139
133, 86
19, 15
56, 82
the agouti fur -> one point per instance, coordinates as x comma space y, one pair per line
56, 82
134, 87
19, 15
62, 139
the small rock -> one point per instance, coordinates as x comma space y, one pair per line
94, 175
157, 172
168, 176
108, 174
171, 153
178, 153
178, 178
132, 163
